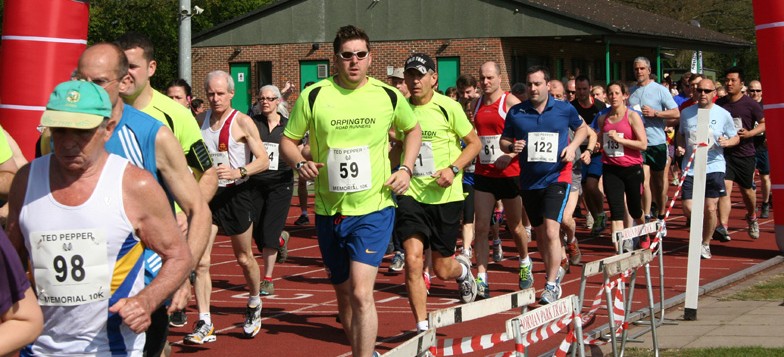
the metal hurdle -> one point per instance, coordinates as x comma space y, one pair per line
478, 309
545, 321
617, 265
418, 346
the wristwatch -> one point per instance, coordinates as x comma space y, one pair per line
243, 172
455, 169
301, 164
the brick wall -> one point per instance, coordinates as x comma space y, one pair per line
472, 53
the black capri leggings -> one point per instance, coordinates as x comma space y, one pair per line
620, 180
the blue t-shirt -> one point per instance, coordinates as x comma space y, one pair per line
134, 139
659, 98
546, 135
720, 125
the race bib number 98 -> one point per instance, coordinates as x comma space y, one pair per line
349, 169
542, 147
70, 267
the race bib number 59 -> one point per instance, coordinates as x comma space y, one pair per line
542, 147
349, 169
70, 267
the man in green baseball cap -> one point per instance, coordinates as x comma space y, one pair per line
77, 105
83, 218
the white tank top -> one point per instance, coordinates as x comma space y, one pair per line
239, 153
84, 259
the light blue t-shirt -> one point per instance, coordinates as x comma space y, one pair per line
659, 98
720, 125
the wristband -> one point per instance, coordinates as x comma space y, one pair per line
406, 169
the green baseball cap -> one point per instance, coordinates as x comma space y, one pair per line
77, 105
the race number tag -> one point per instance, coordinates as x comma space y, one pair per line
611, 147
349, 169
738, 123
471, 167
542, 147
424, 165
221, 158
274, 153
693, 138
490, 150
70, 267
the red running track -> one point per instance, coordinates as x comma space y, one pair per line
300, 319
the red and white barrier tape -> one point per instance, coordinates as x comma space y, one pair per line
540, 334
658, 237
453, 346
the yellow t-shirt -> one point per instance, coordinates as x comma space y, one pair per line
348, 133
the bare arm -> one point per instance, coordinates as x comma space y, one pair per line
399, 180
473, 145
15, 201
148, 210
251, 134
183, 186
641, 143
579, 136
21, 324
7, 171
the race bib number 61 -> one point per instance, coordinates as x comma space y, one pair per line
349, 169
70, 267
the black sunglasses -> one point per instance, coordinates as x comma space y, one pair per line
704, 91
754, 90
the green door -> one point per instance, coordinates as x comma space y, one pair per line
448, 71
312, 71
240, 72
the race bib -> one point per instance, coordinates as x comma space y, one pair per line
70, 267
221, 158
611, 147
471, 167
424, 165
490, 150
349, 169
273, 152
542, 147
738, 123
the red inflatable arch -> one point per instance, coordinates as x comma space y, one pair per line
41, 44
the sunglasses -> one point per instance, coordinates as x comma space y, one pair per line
570, 92
704, 91
269, 99
347, 55
754, 90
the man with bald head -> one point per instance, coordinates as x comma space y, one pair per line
148, 144
724, 135
557, 90
495, 178
571, 91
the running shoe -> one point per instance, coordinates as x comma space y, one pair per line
498, 216
466, 286
721, 234
550, 294
468, 252
573, 251
526, 277
753, 227
705, 252
203, 332
765, 210
498, 252
252, 324
565, 265
482, 289
426, 278
266, 288
283, 247
589, 221
302, 220
530, 233
178, 319
398, 262
599, 224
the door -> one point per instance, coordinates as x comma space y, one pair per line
312, 71
448, 71
240, 72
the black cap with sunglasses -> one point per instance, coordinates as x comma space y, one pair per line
421, 62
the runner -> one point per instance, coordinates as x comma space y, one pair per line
537, 130
428, 214
349, 116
